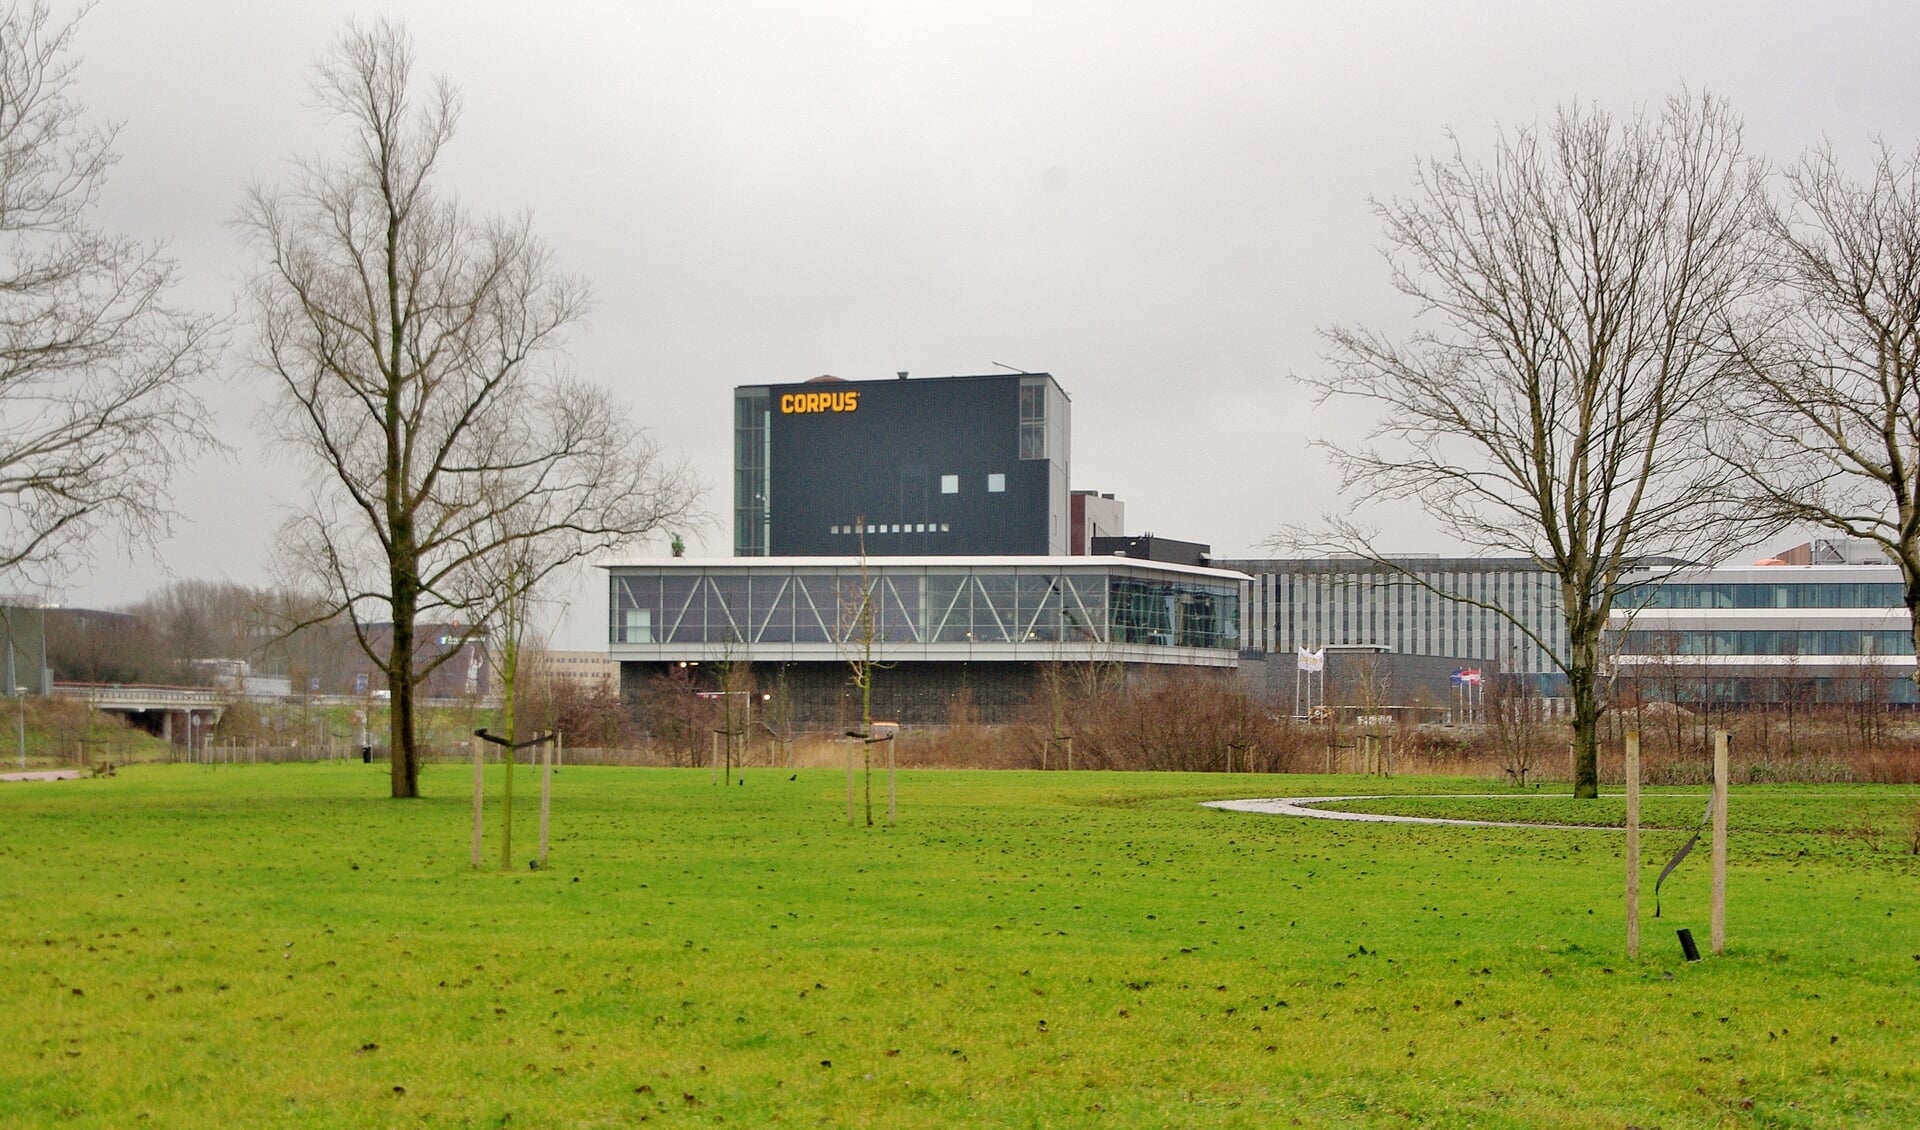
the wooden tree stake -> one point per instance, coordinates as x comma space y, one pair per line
546, 800
1633, 841
479, 759
1719, 925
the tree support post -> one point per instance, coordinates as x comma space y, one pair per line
1633, 841
546, 795
479, 759
1721, 740
509, 747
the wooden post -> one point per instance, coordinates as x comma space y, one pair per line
1069, 741
713, 758
1719, 925
559, 749
479, 758
890, 792
546, 799
1633, 841
849, 786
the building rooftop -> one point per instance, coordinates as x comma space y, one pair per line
772, 564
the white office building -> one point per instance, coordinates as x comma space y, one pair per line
1756, 634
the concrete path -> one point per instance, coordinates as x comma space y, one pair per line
44, 775
1308, 806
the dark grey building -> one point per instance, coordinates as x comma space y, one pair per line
938, 466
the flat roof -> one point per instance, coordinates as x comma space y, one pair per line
821, 384
1079, 561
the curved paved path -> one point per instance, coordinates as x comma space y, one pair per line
1309, 806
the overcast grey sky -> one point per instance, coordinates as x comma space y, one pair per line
1156, 203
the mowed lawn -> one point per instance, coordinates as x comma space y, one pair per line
282, 946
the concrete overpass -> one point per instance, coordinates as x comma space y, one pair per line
154, 708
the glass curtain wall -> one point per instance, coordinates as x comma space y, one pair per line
931, 606
752, 435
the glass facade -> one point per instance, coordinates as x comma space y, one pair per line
922, 604
1788, 594
1428, 606
1743, 635
751, 439
1033, 419
1766, 641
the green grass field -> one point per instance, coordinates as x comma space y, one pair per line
281, 946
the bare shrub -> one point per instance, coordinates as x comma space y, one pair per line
1867, 832
587, 715
1180, 720
677, 719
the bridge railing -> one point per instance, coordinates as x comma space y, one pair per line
116, 694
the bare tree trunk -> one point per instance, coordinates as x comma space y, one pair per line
405, 760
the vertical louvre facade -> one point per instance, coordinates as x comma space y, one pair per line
1317, 602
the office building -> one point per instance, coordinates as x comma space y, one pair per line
940, 466
979, 629
1754, 635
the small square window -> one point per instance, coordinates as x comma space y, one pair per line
871, 530
833, 529
996, 483
949, 484
944, 527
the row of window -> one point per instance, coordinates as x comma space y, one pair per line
1839, 594
996, 484
894, 528
1768, 642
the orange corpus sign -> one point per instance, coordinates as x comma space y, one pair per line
792, 403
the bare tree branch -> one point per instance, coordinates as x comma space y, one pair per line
411, 347
1831, 373
97, 372
1559, 401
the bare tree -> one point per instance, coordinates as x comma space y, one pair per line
97, 409
567, 475
858, 632
1516, 716
1574, 293
1833, 375
411, 345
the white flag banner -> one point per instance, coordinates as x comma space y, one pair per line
1312, 661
